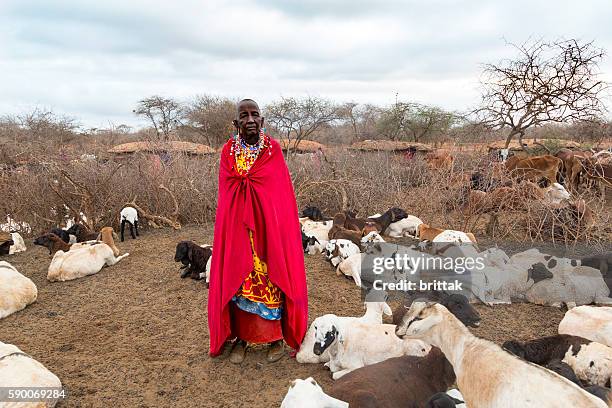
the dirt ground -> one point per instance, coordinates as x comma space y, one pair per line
135, 334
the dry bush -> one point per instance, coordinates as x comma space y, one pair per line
44, 195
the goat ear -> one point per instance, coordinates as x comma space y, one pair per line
99, 237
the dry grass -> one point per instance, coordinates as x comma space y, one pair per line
185, 191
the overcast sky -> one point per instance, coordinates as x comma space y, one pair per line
95, 59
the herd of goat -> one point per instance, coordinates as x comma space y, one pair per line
427, 357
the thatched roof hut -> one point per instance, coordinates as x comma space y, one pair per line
173, 146
304, 146
390, 146
514, 144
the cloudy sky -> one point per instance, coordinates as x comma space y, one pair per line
95, 59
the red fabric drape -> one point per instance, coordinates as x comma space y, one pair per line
264, 201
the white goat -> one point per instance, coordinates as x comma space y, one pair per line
18, 369
404, 227
591, 362
338, 249
308, 394
593, 323
318, 229
354, 344
487, 376
351, 266
374, 314
16, 290
18, 244
371, 237
81, 262
555, 194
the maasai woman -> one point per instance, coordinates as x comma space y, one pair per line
258, 283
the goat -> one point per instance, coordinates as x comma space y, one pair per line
18, 244
6, 241
82, 233
52, 242
16, 290
456, 303
404, 227
487, 376
106, 235
381, 223
593, 323
374, 314
338, 249
445, 400
314, 213
591, 361
17, 369
308, 394
129, 215
195, 259
81, 262
354, 344
406, 381
64, 235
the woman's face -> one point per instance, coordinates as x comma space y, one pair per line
249, 120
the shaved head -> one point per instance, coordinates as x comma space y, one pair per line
243, 101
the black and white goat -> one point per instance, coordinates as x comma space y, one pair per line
129, 215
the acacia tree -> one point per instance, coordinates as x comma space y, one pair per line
415, 122
297, 118
165, 114
212, 117
546, 83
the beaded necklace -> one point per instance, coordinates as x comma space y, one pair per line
246, 154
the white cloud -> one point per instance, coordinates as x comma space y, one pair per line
95, 60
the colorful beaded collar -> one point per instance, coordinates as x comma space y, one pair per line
249, 153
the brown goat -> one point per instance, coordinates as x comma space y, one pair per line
107, 234
337, 232
425, 232
52, 242
406, 381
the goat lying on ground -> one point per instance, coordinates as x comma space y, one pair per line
64, 235
374, 314
80, 262
593, 323
314, 213
18, 244
195, 259
487, 376
354, 344
129, 215
456, 303
19, 370
381, 223
82, 233
308, 394
337, 250
591, 361
406, 381
6, 241
16, 290
52, 242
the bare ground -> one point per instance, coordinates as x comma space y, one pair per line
135, 334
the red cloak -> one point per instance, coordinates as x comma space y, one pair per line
263, 200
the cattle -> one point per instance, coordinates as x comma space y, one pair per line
439, 159
535, 168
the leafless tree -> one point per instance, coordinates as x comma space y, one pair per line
545, 83
211, 117
297, 118
165, 114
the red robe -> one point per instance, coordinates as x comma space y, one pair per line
263, 201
